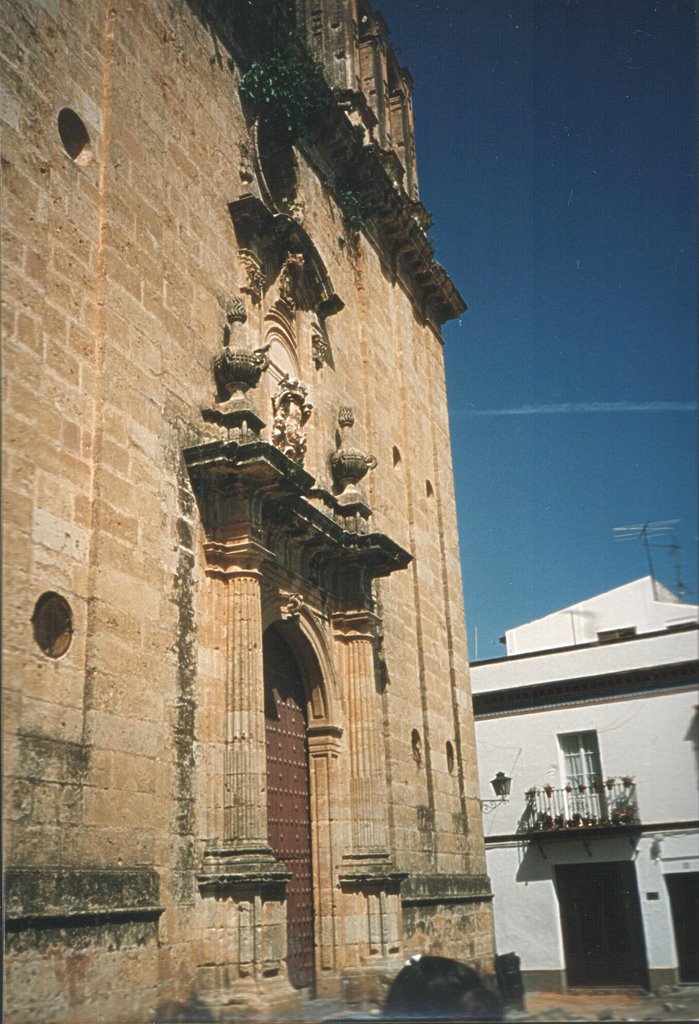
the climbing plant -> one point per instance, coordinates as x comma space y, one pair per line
289, 89
352, 205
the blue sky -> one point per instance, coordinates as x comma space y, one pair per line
556, 151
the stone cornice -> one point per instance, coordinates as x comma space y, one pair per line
291, 505
392, 218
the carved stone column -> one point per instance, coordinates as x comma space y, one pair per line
355, 632
324, 750
244, 847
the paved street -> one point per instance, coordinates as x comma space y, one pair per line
676, 1004
680, 1003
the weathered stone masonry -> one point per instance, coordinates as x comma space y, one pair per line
228, 520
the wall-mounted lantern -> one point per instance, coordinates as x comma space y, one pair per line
501, 785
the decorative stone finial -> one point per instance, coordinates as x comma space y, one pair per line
236, 370
235, 311
345, 417
291, 412
348, 464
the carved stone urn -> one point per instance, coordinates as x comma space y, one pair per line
239, 369
236, 368
348, 464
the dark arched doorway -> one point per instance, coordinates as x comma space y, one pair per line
288, 798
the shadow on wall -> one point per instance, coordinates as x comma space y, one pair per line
538, 860
533, 867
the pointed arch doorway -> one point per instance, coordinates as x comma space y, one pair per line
288, 798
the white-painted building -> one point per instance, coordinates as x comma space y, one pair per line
594, 859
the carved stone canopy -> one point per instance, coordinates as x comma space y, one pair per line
276, 247
331, 547
348, 464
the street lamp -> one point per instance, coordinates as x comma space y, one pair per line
501, 785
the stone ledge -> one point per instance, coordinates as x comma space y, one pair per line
423, 890
370, 872
230, 868
47, 892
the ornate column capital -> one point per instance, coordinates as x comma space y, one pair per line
358, 624
241, 557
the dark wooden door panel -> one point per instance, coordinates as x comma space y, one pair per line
288, 804
602, 925
684, 901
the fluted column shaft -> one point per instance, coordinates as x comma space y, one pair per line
245, 756
367, 776
245, 811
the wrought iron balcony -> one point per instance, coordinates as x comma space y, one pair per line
602, 804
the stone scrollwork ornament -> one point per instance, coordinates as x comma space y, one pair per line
289, 278
293, 607
319, 346
255, 278
348, 464
291, 411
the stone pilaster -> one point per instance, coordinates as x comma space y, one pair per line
324, 748
244, 849
355, 633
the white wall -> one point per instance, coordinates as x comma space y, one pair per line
525, 906
666, 649
655, 739
652, 738
644, 604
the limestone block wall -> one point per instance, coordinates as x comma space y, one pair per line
119, 259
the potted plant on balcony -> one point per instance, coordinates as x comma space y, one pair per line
531, 793
548, 789
627, 780
568, 788
582, 787
609, 783
597, 785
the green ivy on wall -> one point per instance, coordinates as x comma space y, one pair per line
288, 88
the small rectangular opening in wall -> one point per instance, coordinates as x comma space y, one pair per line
652, 895
607, 635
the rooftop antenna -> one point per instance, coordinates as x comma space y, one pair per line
648, 532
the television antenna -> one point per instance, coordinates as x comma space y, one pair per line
649, 534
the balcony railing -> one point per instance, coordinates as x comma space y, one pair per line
608, 804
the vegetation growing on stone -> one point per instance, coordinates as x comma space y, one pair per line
353, 207
288, 87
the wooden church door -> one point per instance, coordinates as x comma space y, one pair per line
288, 799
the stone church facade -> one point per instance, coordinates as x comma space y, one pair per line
239, 763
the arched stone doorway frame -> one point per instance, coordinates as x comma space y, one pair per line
306, 633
